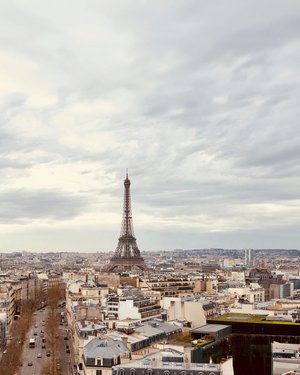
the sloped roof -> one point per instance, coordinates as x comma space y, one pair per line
104, 348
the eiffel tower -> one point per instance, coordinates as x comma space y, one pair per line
127, 256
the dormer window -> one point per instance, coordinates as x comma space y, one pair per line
99, 361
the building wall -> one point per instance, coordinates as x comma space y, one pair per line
251, 295
227, 367
286, 290
281, 290
295, 281
192, 311
128, 310
92, 370
238, 276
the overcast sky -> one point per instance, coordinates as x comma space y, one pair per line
199, 99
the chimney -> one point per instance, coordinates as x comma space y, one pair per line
125, 341
188, 355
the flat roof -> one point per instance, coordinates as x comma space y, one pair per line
163, 359
208, 328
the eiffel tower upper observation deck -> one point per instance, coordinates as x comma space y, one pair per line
127, 255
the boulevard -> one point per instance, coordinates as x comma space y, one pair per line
35, 359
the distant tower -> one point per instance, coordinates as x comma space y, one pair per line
127, 255
249, 257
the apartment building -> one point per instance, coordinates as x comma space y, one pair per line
170, 285
83, 332
171, 362
285, 358
144, 335
132, 304
195, 311
284, 290
253, 293
99, 356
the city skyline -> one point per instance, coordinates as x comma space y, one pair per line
197, 100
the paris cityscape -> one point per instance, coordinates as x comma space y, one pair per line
132, 311
149, 196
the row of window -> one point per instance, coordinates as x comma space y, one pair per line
99, 361
166, 372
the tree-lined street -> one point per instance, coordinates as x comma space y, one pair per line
59, 361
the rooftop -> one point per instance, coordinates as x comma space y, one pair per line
248, 318
168, 358
210, 328
104, 348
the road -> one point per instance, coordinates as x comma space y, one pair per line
31, 354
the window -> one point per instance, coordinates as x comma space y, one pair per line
98, 372
166, 372
99, 361
122, 372
149, 371
132, 371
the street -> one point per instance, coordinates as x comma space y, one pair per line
35, 358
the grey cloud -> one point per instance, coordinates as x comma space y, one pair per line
21, 206
193, 78
6, 163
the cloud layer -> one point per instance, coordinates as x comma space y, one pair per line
199, 100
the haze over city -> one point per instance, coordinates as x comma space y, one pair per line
199, 100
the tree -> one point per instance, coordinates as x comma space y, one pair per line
51, 331
53, 297
40, 297
11, 361
47, 368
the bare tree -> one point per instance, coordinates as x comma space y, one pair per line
51, 331
53, 297
47, 368
11, 361
40, 297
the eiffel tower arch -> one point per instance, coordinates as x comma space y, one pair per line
127, 256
